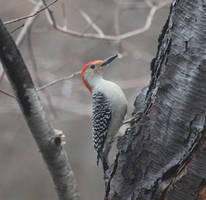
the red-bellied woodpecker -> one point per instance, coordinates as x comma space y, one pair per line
109, 106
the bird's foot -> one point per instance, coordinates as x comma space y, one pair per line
133, 119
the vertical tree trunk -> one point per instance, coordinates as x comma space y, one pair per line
163, 155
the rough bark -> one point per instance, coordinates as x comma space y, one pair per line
46, 138
163, 154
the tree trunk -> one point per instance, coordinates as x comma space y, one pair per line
163, 154
48, 141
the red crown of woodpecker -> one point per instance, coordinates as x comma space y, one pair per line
96, 62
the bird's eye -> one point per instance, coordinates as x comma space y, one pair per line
92, 66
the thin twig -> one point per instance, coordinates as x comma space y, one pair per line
43, 87
149, 3
33, 1
50, 15
58, 80
64, 13
87, 28
32, 57
117, 26
28, 23
31, 15
17, 28
6, 93
126, 5
35, 68
93, 25
123, 36
116, 20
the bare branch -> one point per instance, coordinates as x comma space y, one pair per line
144, 28
31, 15
93, 25
117, 26
27, 26
33, 1
64, 13
6, 93
123, 36
29, 22
58, 80
17, 28
35, 68
149, 3
54, 82
50, 15
126, 5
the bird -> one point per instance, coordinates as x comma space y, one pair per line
109, 107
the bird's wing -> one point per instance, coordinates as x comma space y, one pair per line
101, 118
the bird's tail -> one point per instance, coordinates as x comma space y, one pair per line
104, 161
103, 156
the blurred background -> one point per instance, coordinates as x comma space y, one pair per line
51, 55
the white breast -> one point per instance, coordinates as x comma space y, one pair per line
118, 101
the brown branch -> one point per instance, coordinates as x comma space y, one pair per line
6, 93
31, 15
17, 28
45, 86
58, 81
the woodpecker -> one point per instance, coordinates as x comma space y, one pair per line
109, 106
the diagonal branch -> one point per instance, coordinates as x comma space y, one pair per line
29, 23
50, 15
47, 85
93, 25
57, 81
6, 93
53, 153
31, 15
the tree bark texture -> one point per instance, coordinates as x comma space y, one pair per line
48, 141
163, 155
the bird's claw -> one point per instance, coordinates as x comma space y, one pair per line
134, 118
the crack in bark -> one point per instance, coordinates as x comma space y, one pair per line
183, 170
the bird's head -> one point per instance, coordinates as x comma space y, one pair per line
94, 70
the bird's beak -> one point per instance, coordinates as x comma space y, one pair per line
109, 60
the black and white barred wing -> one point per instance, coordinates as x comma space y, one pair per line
102, 113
